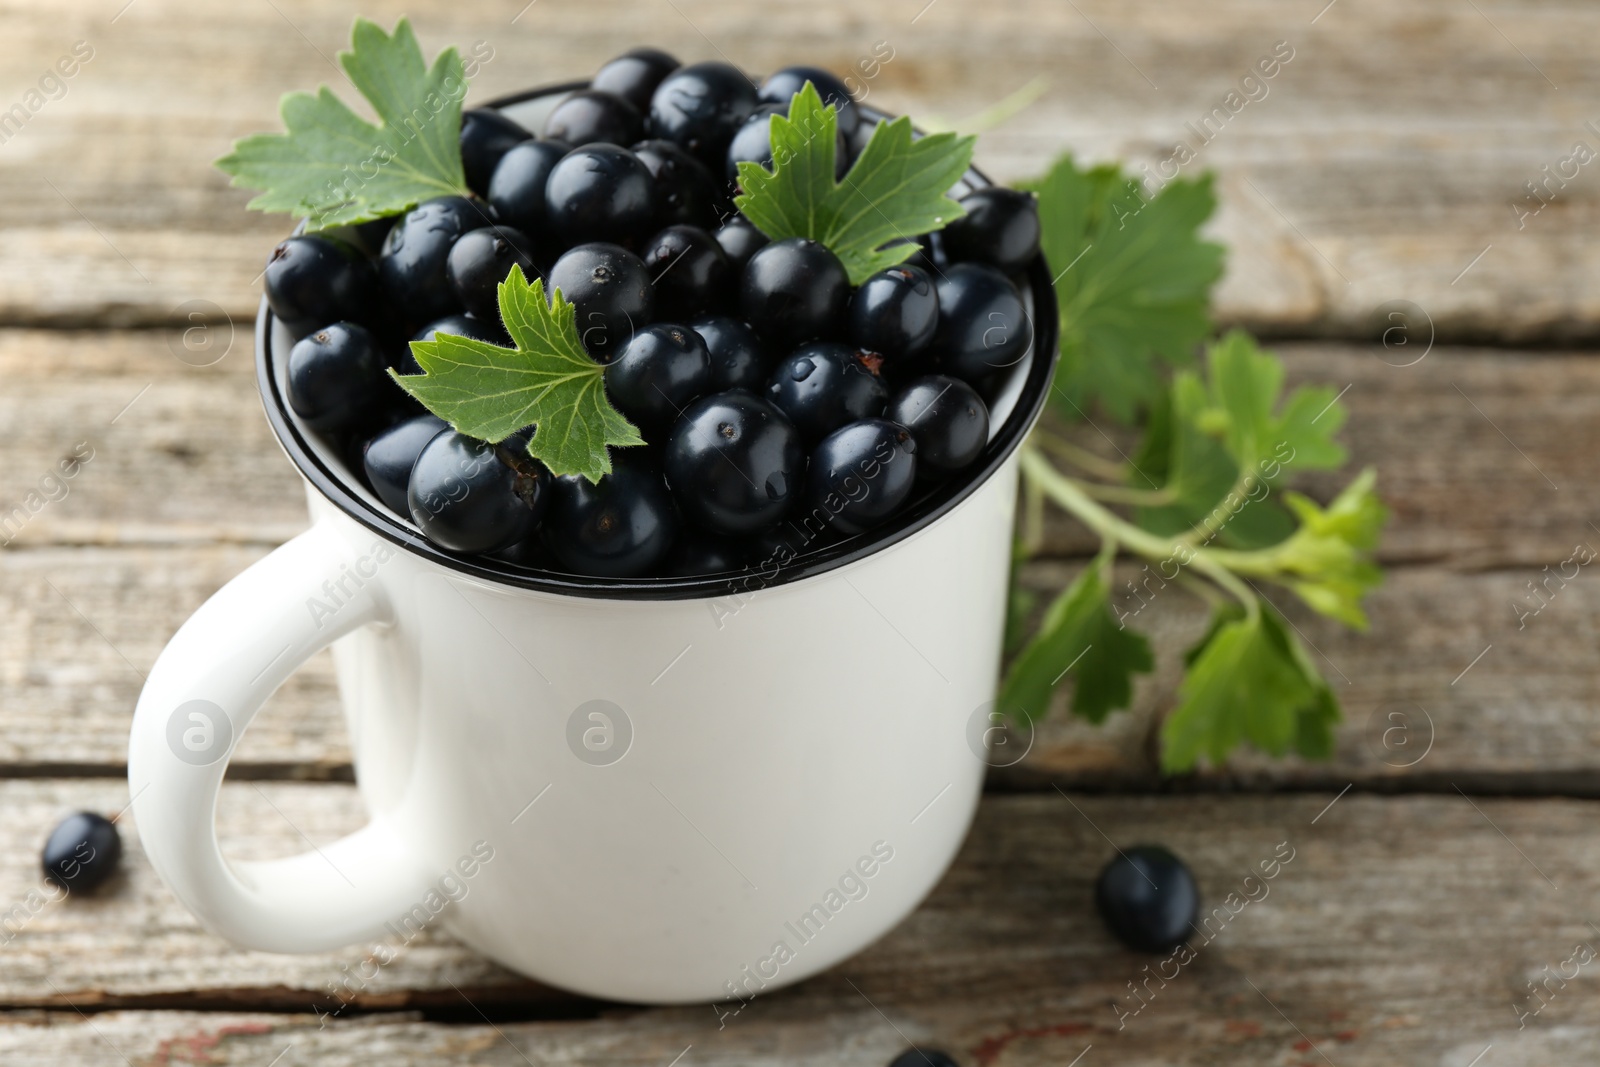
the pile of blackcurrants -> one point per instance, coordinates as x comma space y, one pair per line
783, 409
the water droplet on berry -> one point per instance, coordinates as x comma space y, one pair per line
777, 486
801, 369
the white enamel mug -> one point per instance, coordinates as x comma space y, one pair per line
658, 791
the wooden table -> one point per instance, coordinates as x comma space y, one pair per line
1436, 872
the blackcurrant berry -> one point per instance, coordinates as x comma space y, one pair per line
948, 419
619, 527
739, 360
860, 475
600, 192
700, 106
752, 141
590, 116
314, 280
823, 385
735, 463
793, 291
81, 852
635, 74
689, 270
923, 1057
657, 373
369, 236
1000, 228
337, 377
895, 312
983, 324
741, 240
685, 190
486, 136
466, 497
517, 189
780, 87
480, 261
698, 553
1148, 899
388, 458
412, 266
610, 289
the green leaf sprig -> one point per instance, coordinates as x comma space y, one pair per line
1204, 499
896, 190
334, 168
1133, 280
546, 380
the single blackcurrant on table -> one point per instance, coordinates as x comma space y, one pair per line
1148, 898
81, 852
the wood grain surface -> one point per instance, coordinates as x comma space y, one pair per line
1442, 858
1380, 163
1396, 930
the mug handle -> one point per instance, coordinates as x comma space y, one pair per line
208, 683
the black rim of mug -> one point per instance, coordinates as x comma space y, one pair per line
331, 484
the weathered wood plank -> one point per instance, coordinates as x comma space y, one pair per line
1381, 161
1463, 442
80, 628
1394, 931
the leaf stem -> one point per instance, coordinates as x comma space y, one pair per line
1120, 494
1070, 496
1079, 457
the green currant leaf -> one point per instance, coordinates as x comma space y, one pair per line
895, 190
1079, 636
1231, 436
1248, 680
1132, 277
546, 380
334, 167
